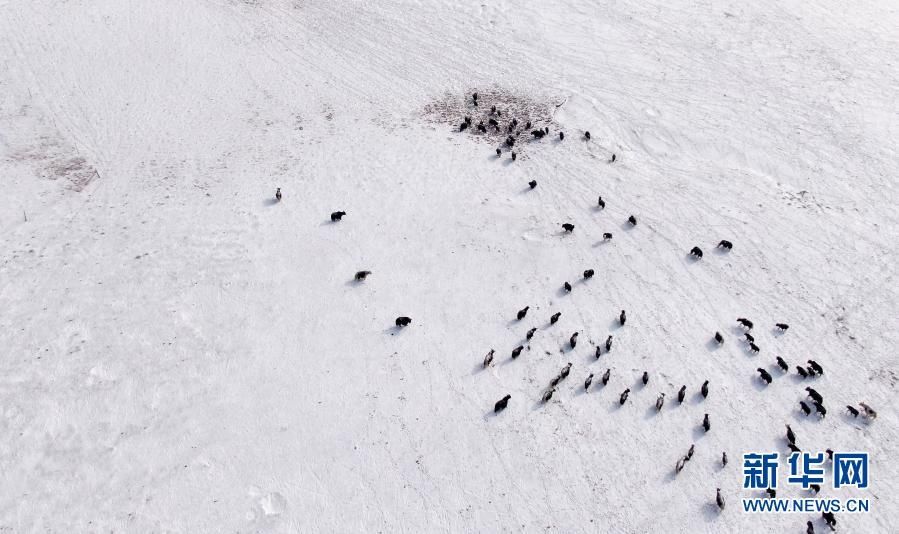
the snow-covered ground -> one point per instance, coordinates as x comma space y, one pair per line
182, 354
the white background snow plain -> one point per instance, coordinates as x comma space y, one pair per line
181, 354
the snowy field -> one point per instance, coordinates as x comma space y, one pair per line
181, 353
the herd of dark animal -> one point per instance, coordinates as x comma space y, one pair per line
812, 370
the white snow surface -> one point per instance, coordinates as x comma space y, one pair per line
182, 354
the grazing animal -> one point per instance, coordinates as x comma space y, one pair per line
588, 382
568, 227
608, 343
816, 488
660, 402
745, 322
814, 365
622, 318
645, 377
533, 184
561, 136
802, 372
588, 274
852, 410
567, 287
501, 404
565, 371
820, 409
573, 340
689, 455
723, 459
749, 337
705, 389
681, 394
587, 135
523, 312
499, 152
337, 215
805, 409
719, 338
696, 252
782, 326
765, 375
278, 194
793, 447
555, 317
829, 519
791, 437
814, 395
362, 275
514, 156
679, 466
724, 243
623, 398
632, 220
811, 371
538, 134
517, 351
719, 500
606, 236
705, 423
403, 321
463, 126
605, 376
530, 333
782, 364
598, 351
601, 203
869, 412
549, 394
754, 348
488, 359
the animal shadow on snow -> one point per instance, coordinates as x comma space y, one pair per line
757, 382
393, 330
710, 511
270, 202
614, 325
712, 345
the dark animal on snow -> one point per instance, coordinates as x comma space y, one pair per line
622, 318
501, 404
517, 351
573, 340
548, 395
689, 455
805, 409
587, 135
568, 227
403, 321
793, 447
528, 125
705, 389
782, 326
749, 337
705, 423
696, 252
588, 274
719, 338
601, 203
782, 364
561, 136
814, 487
852, 410
532, 183
829, 519
613, 158
514, 156
745, 322
719, 500
660, 402
814, 395
565, 370
588, 382
555, 317
337, 215
753, 347
764, 375
538, 134
510, 141
772, 493
724, 243
598, 352
608, 343
809, 528
499, 152
606, 236
814, 365
623, 398
791, 437
829, 454
488, 359
632, 220
523, 312
278, 194
463, 126
605, 376
822, 411
530, 333
362, 275
481, 127
681, 394
546, 130
869, 412
645, 377
492, 122
811, 371
492, 109
802, 372
723, 459
555, 381
567, 287
679, 466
